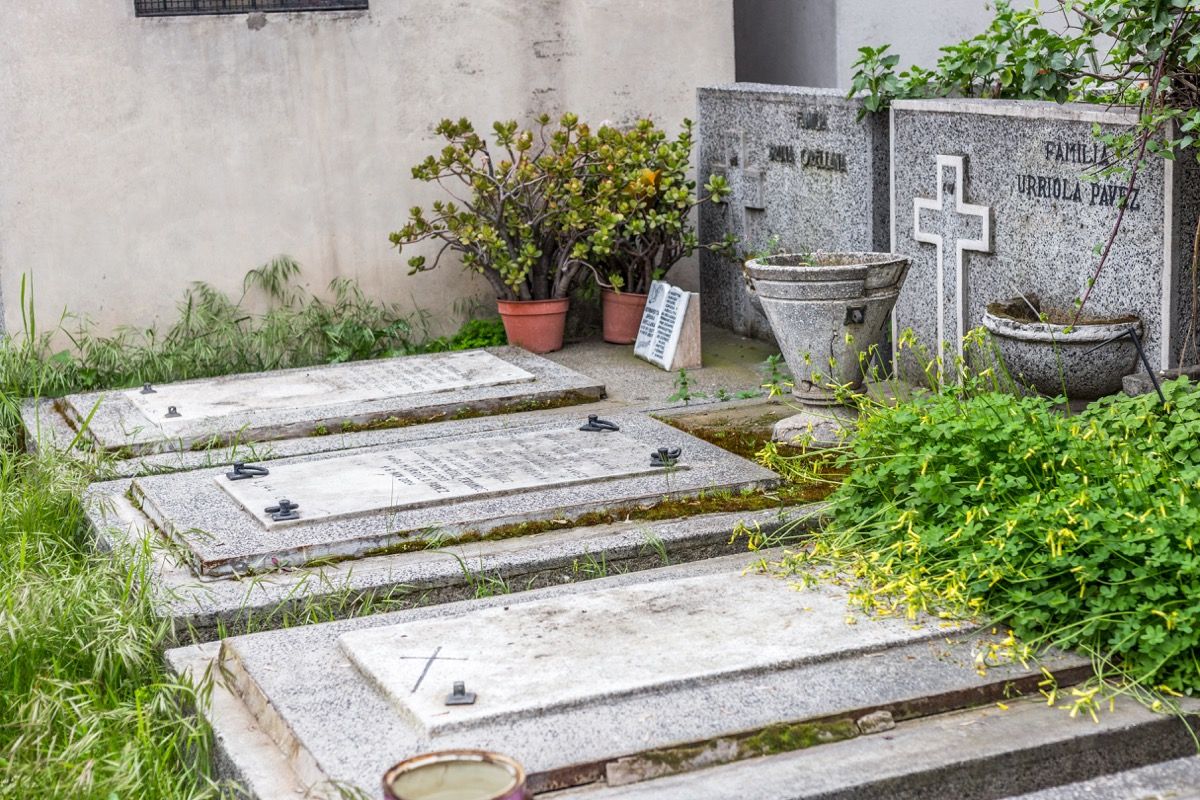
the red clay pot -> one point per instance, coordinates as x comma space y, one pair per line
536, 325
622, 315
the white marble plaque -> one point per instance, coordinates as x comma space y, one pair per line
662, 324
440, 472
594, 647
352, 383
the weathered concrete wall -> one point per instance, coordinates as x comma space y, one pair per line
814, 42
785, 43
138, 155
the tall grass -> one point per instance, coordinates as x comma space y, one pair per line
87, 707
214, 334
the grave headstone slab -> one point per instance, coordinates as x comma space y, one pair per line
993, 199
293, 403
443, 481
806, 174
571, 681
669, 334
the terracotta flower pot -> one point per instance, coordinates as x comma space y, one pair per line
536, 325
622, 315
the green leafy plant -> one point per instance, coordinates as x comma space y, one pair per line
523, 205
683, 389
1076, 531
217, 335
646, 227
474, 333
777, 381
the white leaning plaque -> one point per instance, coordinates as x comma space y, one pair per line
669, 336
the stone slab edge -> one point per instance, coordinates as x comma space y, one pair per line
199, 609
1178, 779
47, 426
181, 504
937, 674
975, 754
1027, 109
824, 95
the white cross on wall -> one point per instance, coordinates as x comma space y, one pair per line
958, 164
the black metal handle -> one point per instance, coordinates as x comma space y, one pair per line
665, 456
243, 472
594, 423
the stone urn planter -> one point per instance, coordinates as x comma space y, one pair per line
1084, 363
827, 310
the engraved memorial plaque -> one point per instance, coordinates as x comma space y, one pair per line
182, 419
669, 335
437, 472
352, 383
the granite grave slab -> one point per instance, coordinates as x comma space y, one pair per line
993, 199
806, 174
443, 481
682, 658
289, 404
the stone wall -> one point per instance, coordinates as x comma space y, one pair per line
140, 154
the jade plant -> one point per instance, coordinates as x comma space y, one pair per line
535, 210
519, 205
647, 225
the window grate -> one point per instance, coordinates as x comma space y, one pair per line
171, 8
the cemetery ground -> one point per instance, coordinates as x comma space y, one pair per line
886, 684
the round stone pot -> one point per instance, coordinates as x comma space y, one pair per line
622, 315
536, 325
456, 775
827, 308
1046, 357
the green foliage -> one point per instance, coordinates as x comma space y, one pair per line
89, 709
474, 333
523, 210
216, 335
777, 381
542, 207
1016, 57
1153, 63
683, 389
1076, 531
645, 227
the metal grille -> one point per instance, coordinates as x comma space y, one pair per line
170, 8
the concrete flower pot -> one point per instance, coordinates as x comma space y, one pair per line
826, 310
1048, 358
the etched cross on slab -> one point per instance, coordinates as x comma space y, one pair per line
747, 183
948, 222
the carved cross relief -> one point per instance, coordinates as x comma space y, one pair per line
947, 221
747, 182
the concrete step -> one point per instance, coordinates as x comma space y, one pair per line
1177, 779
977, 754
